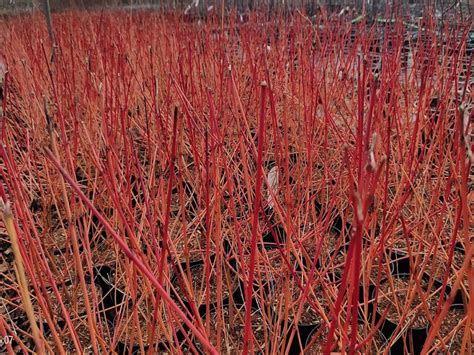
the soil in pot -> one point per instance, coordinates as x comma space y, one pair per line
309, 314
194, 281
316, 347
271, 262
385, 269
232, 329
438, 264
437, 268
310, 317
191, 245
190, 200
451, 335
336, 264
73, 299
330, 244
127, 330
374, 346
395, 299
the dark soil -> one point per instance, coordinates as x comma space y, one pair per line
232, 329
396, 300
309, 315
197, 280
317, 347
452, 337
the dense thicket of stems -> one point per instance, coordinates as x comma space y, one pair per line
137, 158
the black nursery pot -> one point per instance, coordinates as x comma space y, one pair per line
229, 256
125, 349
196, 345
400, 267
275, 237
193, 266
113, 297
94, 226
306, 327
416, 337
237, 299
458, 302
360, 313
239, 295
338, 226
302, 338
312, 333
306, 264
400, 264
307, 330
